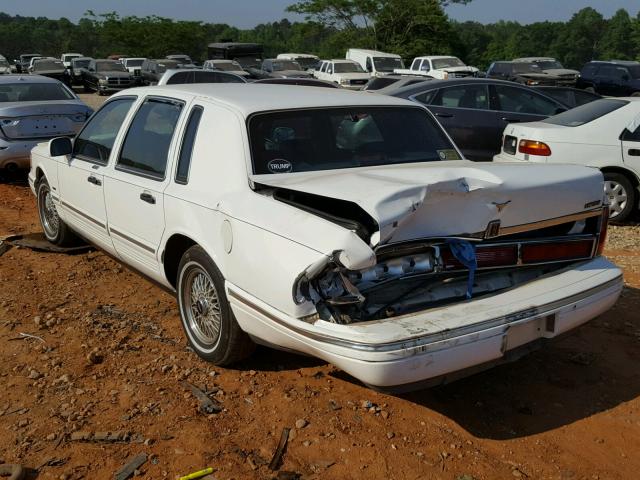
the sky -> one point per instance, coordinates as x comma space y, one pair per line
248, 13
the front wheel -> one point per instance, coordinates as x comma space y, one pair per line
622, 196
55, 230
206, 315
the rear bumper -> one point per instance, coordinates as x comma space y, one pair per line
410, 350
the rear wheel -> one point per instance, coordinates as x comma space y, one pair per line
55, 230
622, 196
206, 315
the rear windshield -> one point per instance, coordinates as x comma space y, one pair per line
281, 65
165, 65
586, 113
33, 92
80, 63
549, 64
227, 66
48, 65
337, 138
447, 62
526, 68
347, 67
387, 64
110, 66
135, 63
307, 62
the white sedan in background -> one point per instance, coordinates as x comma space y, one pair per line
604, 134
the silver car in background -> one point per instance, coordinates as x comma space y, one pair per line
35, 109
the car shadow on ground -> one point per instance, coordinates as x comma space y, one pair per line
18, 178
591, 371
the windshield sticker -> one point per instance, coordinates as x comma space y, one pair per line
449, 154
279, 165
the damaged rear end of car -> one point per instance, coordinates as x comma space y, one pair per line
451, 266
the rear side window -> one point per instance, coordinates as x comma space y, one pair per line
520, 100
589, 71
186, 150
463, 96
586, 113
146, 147
95, 141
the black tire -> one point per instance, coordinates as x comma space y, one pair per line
229, 344
612, 180
86, 88
54, 228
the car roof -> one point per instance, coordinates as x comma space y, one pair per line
534, 59
252, 98
13, 78
435, 84
82, 58
616, 62
374, 52
437, 57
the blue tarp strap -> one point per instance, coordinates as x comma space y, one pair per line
465, 253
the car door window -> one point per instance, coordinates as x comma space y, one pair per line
463, 96
95, 141
426, 97
520, 100
425, 66
330, 69
629, 136
146, 147
186, 149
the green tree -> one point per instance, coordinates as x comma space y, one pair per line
617, 41
579, 41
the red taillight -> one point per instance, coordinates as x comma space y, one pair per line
556, 251
532, 147
604, 225
487, 257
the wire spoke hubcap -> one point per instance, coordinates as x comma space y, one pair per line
48, 213
617, 197
202, 306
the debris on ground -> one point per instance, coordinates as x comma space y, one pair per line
14, 472
207, 405
39, 243
282, 446
131, 466
199, 474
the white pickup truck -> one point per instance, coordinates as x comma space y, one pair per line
333, 223
440, 67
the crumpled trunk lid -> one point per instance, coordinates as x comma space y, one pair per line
26, 120
444, 199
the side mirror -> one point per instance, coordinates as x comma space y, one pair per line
60, 146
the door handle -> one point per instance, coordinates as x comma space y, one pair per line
94, 180
634, 152
443, 115
510, 120
147, 197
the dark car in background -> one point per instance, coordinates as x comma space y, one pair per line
476, 111
152, 69
105, 76
551, 66
527, 73
301, 82
52, 68
571, 97
23, 61
195, 75
614, 78
78, 65
35, 109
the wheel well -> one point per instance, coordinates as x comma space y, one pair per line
623, 171
39, 174
173, 251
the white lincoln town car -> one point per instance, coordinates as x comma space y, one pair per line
333, 223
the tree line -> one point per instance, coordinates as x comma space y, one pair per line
407, 27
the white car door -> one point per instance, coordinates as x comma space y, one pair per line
631, 147
134, 185
81, 179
